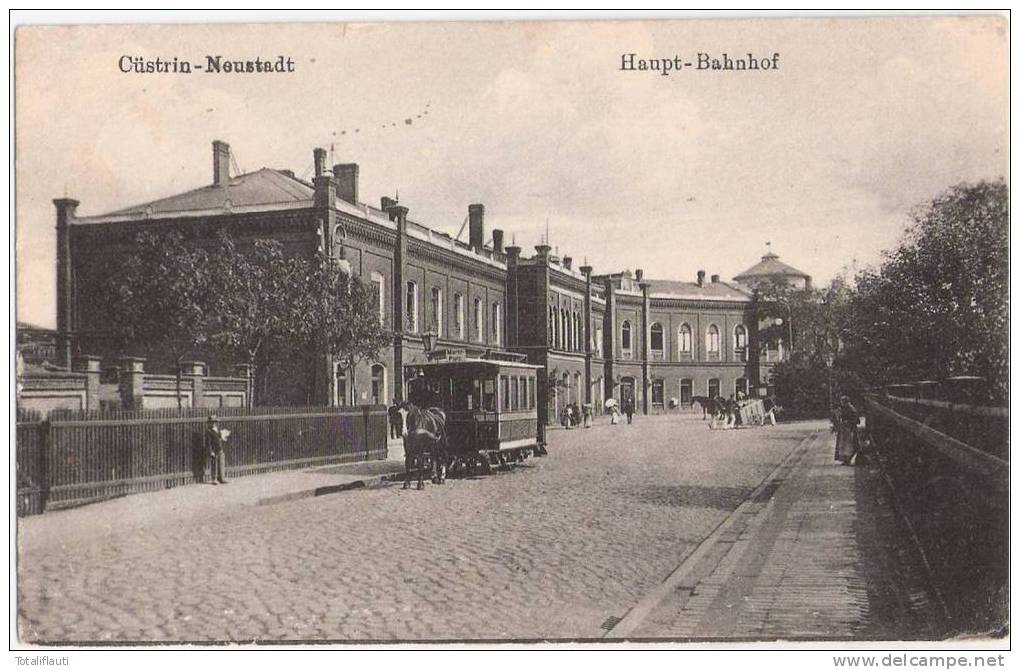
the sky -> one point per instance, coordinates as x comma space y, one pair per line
824, 158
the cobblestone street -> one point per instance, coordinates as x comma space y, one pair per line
548, 550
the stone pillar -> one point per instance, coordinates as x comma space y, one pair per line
132, 374
586, 271
65, 300
195, 372
513, 305
609, 340
90, 366
542, 304
645, 351
398, 214
245, 372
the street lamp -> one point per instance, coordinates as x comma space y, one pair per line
428, 340
789, 321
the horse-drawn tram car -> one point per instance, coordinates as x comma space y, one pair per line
489, 403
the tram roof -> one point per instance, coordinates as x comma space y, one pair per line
477, 362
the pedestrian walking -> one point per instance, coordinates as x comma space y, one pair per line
586, 410
846, 420
396, 420
769, 405
730, 407
614, 411
565, 417
215, 444
628, 409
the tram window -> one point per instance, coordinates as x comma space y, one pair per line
522, 386
489, 395
515, 394
531, 393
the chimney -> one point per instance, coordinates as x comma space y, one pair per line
346, 182
567, 262
701, 277
513, 254
386, 202
497, 240
476, 224
639, 275
320, 161
220, 163
715, 279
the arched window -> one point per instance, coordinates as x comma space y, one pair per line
578, 331
379, 284
564, 330
712, 341
479, 317
684, 339
411, 306
552, 327
378, 384
497, 319
437, 309
458, 315
625, 336
656, 339
739, 342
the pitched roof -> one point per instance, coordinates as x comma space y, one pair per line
691, 291
262, 187
770, 266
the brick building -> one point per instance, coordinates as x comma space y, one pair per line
597, 335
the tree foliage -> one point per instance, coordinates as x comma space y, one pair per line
253, 302
939, 304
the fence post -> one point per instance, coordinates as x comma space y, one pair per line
244, 370
368, 427
132, 373
45, 468
90, 366
195, 371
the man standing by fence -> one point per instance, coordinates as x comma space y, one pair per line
215, 443
396, 421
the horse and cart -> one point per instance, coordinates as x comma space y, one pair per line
470, 415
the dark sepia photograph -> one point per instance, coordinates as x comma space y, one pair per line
680, 331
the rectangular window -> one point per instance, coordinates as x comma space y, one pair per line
411, 307
458, 315
515, 394
504, 391
522, 383
657, 393
489, 395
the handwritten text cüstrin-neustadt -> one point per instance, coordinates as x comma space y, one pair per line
211, 65
703, 61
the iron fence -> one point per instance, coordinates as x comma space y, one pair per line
75, 456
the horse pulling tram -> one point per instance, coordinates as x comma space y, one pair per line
487, 418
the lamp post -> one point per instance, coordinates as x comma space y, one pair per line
428, 341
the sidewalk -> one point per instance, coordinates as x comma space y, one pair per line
817, 553
182, 504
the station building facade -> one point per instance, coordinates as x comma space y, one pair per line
660, 342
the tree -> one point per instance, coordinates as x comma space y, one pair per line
939, 304
160, 298
342, 315
258, 309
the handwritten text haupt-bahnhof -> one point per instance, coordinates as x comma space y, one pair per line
702, 61
209, 65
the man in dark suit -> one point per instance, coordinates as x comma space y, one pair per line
215, 444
